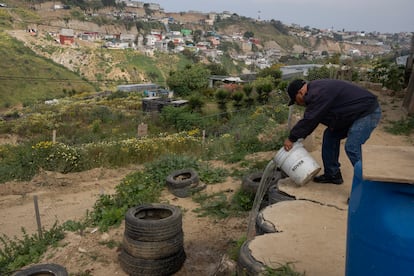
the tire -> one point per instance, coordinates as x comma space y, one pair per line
251, 182
246, 264
182, 178
265, 202
275, 195
153, 250
43, 270
187, 191
263, 226
158, 267
153, 222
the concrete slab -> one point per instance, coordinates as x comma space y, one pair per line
308, 231
312, 227
388, 163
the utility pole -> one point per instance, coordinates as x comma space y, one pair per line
408, 103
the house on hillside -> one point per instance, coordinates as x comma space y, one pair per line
131, 3
127, 37
67, 37
152, 38
91, 36
152, 6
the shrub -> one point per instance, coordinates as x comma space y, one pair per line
143, 187
56, 157
17, 253
16, 162
401, 127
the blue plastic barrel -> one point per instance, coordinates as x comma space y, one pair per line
380, 234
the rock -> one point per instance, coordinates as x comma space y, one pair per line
105, 236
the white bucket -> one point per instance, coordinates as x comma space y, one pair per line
297, 163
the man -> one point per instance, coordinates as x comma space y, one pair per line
347, 110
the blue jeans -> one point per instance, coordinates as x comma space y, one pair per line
357, 135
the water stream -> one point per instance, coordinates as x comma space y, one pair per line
265, 181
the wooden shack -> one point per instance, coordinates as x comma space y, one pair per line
151, 104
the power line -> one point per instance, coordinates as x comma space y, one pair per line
51, 79
36, 78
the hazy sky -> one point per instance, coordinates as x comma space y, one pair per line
351, 15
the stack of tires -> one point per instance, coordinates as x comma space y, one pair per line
183, 183
153, 241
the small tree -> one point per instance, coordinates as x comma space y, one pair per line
237, 97
389, 74
191, 78
180, 118
217, 69
171, 45
248, 89
263, 88
195, 103
321, 73
274, 72
222, 97
197, 35
248, 34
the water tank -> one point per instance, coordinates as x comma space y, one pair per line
380, 234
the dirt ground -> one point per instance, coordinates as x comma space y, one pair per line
67, 197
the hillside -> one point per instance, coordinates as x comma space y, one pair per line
26, 76
105, 68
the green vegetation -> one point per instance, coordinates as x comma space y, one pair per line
16, 253
6, 20
218, 205
389, 74
235, 246
99, 144
321, 73
22, 162
191, 78
145, 187
401, 127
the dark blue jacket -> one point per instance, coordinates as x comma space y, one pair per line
334, 103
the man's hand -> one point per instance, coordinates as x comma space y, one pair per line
287, 145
